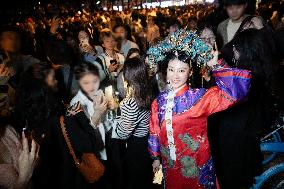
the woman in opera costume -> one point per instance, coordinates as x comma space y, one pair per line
178, 124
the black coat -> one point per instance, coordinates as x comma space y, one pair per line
234, 136
57, 168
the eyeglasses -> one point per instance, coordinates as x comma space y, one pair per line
208, 39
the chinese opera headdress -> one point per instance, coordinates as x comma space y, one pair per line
181, 42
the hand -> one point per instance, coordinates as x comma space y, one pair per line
205, 73
113, 67
112, 104
27, 160
4, 71
214, 60
54, 25
156, 165
100, 107
120, 67
100, 104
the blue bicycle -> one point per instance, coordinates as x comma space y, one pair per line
272, 145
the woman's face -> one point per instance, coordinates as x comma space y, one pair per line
178, 73
208, 37
109, 43
89, 83
51, 81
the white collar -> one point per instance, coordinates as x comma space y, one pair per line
82, 96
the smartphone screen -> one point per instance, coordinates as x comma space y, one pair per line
98, 96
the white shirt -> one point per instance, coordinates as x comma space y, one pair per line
103, 63
232, 28
88, 109
127, 46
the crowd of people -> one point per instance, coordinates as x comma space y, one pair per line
107, 99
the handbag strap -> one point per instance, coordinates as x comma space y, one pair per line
70, 80
62, 124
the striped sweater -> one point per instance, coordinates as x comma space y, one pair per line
133, 120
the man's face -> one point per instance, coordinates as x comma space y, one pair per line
10, 41
120, 33
235, 12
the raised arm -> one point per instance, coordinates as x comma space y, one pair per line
232, 86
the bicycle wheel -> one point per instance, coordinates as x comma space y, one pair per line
273, 178
268, 156
275, 182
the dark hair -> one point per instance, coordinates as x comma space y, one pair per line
58, 52
136, 74
32, 103
173, 22
202, 25
131, 51
118, 26
40, 70
192, 18
234, 2
135, 15
180, 55
117, 19
105, 34
35, 102
85, 68
255, 54
126, 28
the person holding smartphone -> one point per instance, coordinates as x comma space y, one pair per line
94, 105
18, 158
109, 63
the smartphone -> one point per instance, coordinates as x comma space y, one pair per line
29, 136
98, 95
113, 62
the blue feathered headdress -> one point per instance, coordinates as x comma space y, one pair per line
181, 40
